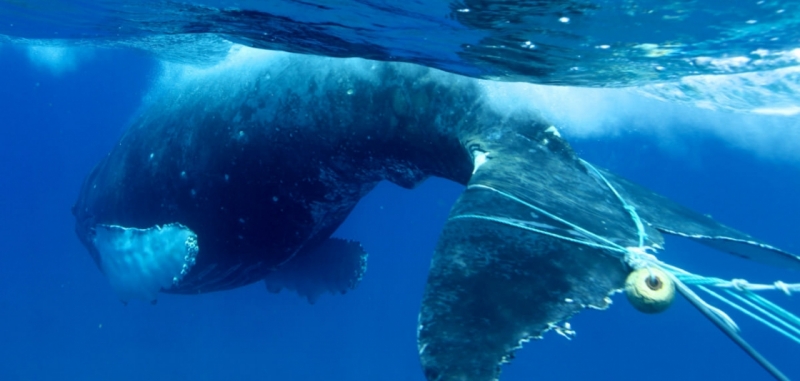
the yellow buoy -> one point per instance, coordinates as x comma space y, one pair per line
649, 290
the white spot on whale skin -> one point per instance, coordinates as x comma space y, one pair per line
553, 130
480, 158
140, 262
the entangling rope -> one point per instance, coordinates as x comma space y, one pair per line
643, 257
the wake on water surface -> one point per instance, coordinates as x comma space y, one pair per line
740, 56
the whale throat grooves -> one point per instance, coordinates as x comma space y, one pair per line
140, 262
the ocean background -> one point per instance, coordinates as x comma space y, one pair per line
62, 111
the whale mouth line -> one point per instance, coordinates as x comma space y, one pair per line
141, 262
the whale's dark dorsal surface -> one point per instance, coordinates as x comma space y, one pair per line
240, 174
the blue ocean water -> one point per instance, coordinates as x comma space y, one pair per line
59, 319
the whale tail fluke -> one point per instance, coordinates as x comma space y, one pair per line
669, 217
538, 236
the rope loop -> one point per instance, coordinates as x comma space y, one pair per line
740, 284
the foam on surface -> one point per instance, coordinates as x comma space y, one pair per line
57, 59
602, 113
140, 262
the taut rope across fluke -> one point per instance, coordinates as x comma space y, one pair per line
652, 292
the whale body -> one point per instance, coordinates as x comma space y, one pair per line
240, 175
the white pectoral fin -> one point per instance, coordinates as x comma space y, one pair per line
140, 262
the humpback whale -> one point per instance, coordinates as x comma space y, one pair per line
226, 179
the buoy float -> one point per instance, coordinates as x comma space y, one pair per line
650, 290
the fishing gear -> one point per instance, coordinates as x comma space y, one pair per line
651, 285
